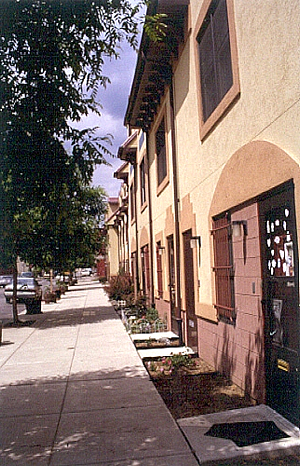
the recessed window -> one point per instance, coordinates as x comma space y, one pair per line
132, 201
161, 152
159, 269
143, 182
223, 269
217, 58
145, 263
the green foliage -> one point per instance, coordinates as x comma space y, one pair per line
51, 68
171, 364
179, 360
151, 314
155, 27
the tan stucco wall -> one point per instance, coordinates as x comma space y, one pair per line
256, 145
113, 251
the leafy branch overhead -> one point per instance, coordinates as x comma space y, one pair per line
51, 68
155, 27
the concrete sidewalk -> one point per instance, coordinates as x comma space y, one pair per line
75, 392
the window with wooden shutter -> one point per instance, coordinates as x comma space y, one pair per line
159, 270
217, 60
145, 270
161, 152
143, 182
223, 269
132, 201
215, 57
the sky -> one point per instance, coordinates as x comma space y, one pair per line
114, 100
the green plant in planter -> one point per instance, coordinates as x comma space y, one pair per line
171, 364
179, 360
140, 306
49, 296
152, 366
151, 314
63, 287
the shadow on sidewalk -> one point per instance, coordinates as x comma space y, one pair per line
102, 415
74, 317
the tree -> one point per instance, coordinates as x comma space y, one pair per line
52, 53
62, 237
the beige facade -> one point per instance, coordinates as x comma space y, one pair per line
228, 166
112, 263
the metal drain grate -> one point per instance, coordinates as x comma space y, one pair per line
247, 433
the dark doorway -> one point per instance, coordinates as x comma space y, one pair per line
145, 270
171, 264
192, 333
281, 300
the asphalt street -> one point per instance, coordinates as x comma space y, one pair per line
6, 309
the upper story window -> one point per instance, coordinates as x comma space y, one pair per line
161, 152
141, 140
132, 201
217, 55
143, 182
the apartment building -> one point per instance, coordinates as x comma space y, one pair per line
214, 181
116, 228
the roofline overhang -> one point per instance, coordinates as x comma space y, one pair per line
120, 173
127, 151
154, 65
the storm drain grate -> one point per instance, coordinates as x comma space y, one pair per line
247, 433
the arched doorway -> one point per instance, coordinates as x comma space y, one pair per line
259, 187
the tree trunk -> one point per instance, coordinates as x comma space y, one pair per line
51, 280
14, 297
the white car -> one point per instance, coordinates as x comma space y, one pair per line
86, 272
29, 293
5, 280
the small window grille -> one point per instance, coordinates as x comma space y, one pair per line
223, 269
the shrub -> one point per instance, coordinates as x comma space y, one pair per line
151, 314
120, 288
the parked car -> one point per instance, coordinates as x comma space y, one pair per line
63, 278
86, 272
5, 280
29, 293
27, 274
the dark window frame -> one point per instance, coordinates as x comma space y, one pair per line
143, 183
224, 269
145, 262
132, 202
159, 269
161, 154
222, 103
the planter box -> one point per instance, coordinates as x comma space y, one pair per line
50, 297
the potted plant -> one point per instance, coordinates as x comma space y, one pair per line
49, 296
